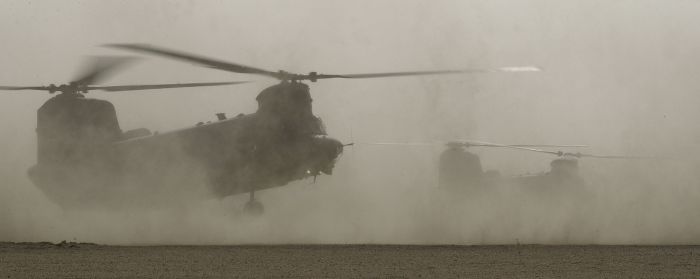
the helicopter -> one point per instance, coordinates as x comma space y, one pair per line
563, 177
83, 154
461, 171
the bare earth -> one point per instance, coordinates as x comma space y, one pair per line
71, 260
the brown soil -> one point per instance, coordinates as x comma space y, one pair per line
80, 260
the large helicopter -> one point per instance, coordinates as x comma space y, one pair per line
80, 144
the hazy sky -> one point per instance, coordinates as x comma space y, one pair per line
620, 76
605, 62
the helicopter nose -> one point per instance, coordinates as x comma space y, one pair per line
338, 146
328, 151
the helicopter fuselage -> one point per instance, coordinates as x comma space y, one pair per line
82, 148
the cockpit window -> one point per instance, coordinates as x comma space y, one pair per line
320, 127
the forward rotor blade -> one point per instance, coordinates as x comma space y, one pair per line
99, 67
560, 153
549, 145
529, 147
208, 62
480, 144
442, 72
526, 147
160, 86
24, 88
583, 155
398, 143
475, 143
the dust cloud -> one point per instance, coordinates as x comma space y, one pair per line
619, 76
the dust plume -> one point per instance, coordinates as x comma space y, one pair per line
618, 76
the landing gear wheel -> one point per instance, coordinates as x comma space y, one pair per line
253, 208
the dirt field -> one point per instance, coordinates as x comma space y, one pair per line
21, 260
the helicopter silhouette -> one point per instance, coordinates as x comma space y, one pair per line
461, 171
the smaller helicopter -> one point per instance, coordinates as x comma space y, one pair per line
460, 170
563, 175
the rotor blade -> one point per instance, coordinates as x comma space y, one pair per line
238, 68
99, 67
550, 145
160, 86
24, 88
442, 72
582, 155
208, 62
488, 144
476, 143
519, 146
526, 147
398, 143
560, 153
398, 74
479, 144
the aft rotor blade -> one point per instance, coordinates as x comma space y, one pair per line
99, 67
24, 88
243, 69
441, 72
161, 86
208, 62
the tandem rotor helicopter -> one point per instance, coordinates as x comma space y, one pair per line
461, 171
81, 148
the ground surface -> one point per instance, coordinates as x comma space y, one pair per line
22, 260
